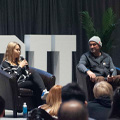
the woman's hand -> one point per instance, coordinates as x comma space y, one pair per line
23, 63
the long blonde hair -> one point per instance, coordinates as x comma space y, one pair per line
9, 52
53, 100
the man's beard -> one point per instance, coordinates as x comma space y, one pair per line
92, 50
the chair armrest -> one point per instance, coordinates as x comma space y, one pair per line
118, 70
8, 89
85, 83
48, 79
81, 80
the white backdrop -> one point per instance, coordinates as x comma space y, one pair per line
39, 45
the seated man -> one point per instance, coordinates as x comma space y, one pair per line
98, 65
72, 110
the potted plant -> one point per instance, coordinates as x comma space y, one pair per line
107, 27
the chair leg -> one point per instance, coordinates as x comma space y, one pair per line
14, 113
4, 114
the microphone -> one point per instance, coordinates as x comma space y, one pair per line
22, 58
111, 71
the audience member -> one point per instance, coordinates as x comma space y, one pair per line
72, 110
72, 91
2, 107
39, 114
13, 63
100, 107
53, 100
115, 112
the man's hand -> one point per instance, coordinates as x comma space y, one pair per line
91, 75
110, 79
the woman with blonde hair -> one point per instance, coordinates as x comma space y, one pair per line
26, 78
53, 100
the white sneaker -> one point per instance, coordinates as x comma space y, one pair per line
44, 94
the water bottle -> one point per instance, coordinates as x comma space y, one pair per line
24, 110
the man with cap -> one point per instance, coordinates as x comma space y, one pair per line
97, 64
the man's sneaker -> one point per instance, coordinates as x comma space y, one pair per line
44, 94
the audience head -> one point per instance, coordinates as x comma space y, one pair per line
102, 89
2, 107
39, 114
34, 114
54, 95
73, 91
115, 112
9, 54
53, 100
72, 110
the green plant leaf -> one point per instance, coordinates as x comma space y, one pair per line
106, 39
87, 24
108, 20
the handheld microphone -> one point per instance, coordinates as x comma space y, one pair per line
22, 58
111, 71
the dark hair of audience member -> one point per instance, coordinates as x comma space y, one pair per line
73, 91
72, 110
39, 114
2, 106
115, 111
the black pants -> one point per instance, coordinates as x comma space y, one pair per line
35, 83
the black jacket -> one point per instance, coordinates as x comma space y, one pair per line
99, 109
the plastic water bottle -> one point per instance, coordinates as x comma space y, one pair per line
24, 110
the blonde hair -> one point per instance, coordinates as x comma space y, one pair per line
103, 88
53, 100
9, 51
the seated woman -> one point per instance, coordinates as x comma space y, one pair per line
53, 101
13, 64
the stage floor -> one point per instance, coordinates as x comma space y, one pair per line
9, 116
